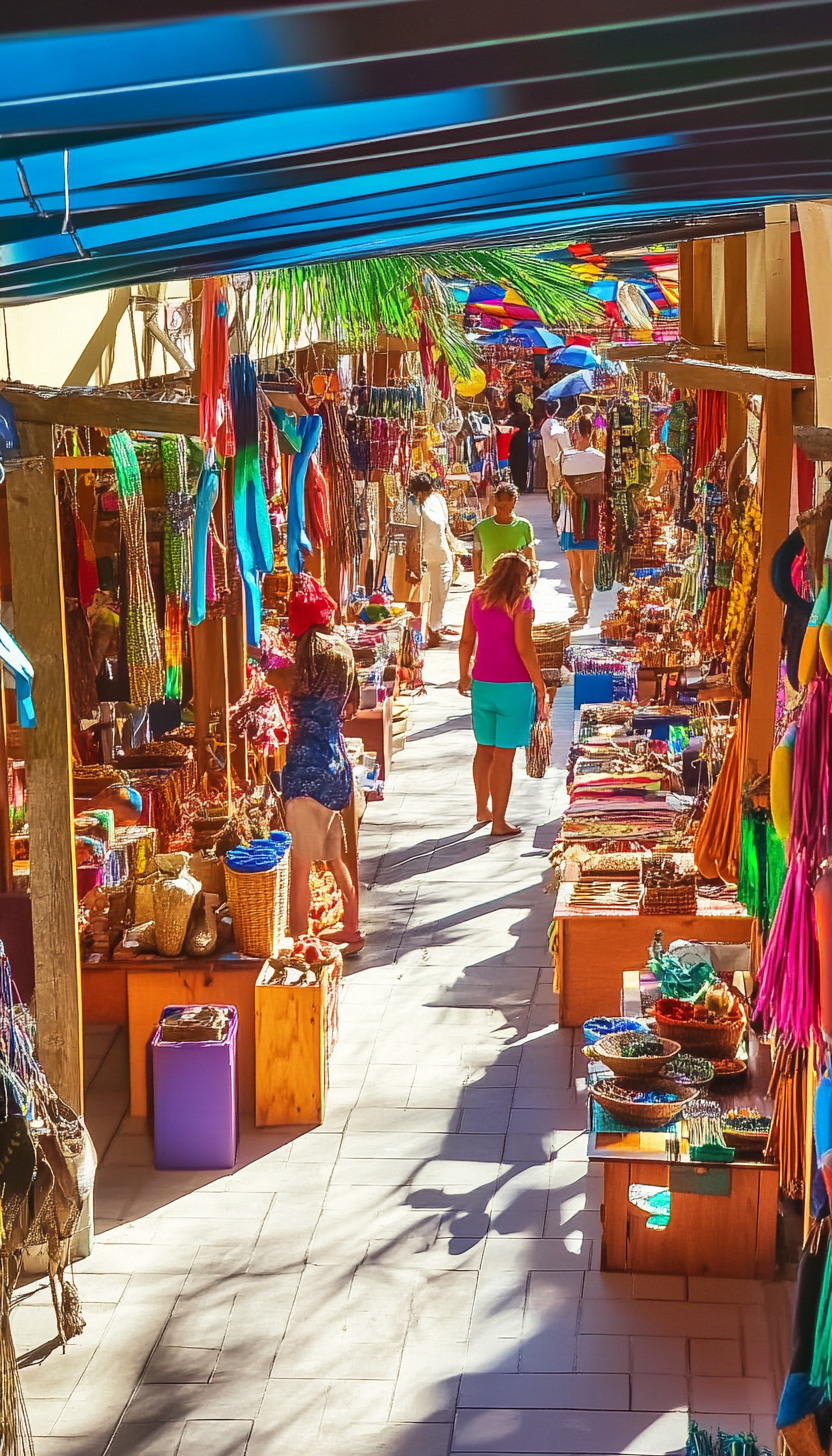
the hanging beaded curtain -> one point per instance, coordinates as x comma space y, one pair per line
335, 459
178, 544
144, 658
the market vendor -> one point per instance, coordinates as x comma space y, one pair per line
502, 532
317, 777
429, 510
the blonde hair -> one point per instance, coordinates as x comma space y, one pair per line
505, 586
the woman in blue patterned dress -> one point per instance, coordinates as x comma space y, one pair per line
317, 777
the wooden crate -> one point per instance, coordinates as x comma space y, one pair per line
294, 1033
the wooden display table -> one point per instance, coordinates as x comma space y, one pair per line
726, 1228
295, 1030
593, 947
723, 1216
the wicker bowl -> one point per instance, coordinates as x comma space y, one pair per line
609, 1051
715, 1040
644, 1114
700, 1076
736, 1138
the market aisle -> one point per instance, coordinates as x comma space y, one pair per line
419, 1275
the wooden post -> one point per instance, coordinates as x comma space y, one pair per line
736, 300
816, 236
776, 447
778, 287
703, 296
686, 328
38, 593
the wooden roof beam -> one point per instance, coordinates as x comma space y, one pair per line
735, 378
102, 411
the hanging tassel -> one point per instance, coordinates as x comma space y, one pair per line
15, 1431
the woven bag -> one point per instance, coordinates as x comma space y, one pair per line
590, 487
539, 751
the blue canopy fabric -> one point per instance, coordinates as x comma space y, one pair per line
136, 147
575, 356
531, 336
581, 382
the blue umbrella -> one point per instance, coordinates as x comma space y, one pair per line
531, 336
576, 356
582, 382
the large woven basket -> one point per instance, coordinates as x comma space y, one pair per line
551, 640
668, 900
714, 1040
608, 1049
259, 905
644, 1114
173, 900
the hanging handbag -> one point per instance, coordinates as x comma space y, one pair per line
539, 751
590, 487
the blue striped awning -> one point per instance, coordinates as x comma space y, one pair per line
223, 142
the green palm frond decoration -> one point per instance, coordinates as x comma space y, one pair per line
352, 302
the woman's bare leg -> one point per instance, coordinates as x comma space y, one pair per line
300, 896
501, 775
483, 759
343, 880
575, 582
588, 559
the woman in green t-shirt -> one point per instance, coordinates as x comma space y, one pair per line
504, 531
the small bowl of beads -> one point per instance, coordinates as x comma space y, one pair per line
607, 1026
635, 1053
729, 1067
631, 1102
689, 1071
742, 1127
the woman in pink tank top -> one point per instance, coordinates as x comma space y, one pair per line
505, 683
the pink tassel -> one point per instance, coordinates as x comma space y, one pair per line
810, 780
788, 995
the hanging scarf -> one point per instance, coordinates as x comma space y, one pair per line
178, 545
216, 425
202, 573
252, 527
144, 658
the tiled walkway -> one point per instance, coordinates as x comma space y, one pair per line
420, 1275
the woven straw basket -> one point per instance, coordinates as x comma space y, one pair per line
714, 1040
608, 1049
173, 900
644, 1114
259, 905
550, 640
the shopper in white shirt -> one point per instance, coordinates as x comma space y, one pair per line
427, 507
579, 520
555, 439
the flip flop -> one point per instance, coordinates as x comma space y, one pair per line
350, 948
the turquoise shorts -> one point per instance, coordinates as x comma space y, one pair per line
503, 713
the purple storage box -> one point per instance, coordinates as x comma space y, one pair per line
195, 1100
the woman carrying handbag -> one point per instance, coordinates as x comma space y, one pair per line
506, 684
583, 487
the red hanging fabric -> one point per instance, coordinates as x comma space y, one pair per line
216, 422
317, 505
710, 427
